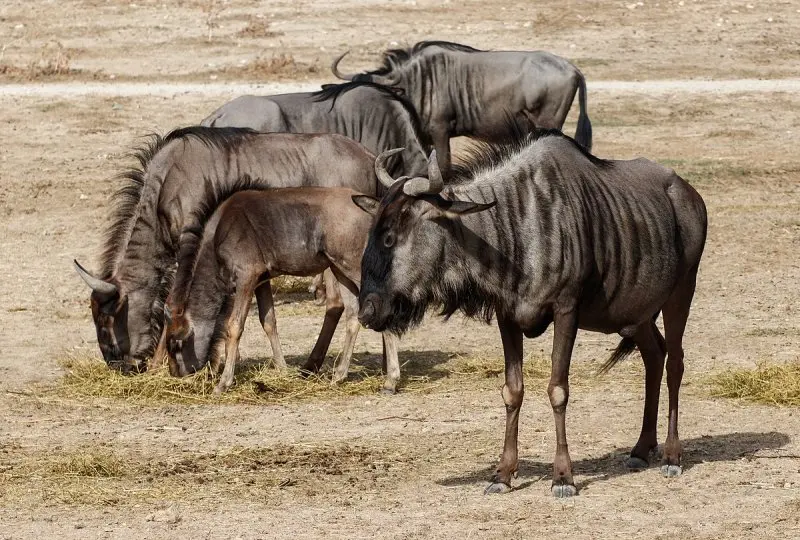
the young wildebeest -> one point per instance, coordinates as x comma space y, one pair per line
255, 236
538, 232
156, 217
458, 90
377, 117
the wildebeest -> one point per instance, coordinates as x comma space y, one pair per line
459, 90
255, 236
156, 217
374, 115
540, 232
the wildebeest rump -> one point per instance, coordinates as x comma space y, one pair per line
458, 90
255, 236
377, 117
156, 214
542, 232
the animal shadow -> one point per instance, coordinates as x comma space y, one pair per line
705, 449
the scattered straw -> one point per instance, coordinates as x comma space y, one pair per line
260, 384
770, 384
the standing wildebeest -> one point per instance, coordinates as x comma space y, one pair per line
458, 90
156, 217
377, 117
255, 236
538, 232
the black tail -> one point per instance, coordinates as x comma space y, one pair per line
623, 350
583, 133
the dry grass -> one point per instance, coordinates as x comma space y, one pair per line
255, 384
423, 372
768, 384
96, 475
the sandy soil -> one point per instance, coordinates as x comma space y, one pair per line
413, 465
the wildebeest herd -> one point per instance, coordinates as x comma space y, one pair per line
354, 184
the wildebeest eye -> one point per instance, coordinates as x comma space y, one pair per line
388, 239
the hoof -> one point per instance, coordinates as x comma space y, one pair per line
497, 487
388, 391
220, 389
562, 491
635, 464
671, 471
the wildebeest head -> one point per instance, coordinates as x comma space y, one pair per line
399, 274
112, 307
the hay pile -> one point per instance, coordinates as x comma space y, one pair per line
90, 378
769, 384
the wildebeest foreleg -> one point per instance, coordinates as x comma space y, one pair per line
565, 327
333, 312
352, 326
266, 314
648, 339
234, 327
392, 363
513, 393
676, 312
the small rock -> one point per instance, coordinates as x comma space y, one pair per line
213, 77
769, 19
19, 26
83, 197
80, 525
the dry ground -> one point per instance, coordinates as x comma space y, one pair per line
413, 465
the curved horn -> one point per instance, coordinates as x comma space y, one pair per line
96, 284
431, 185
335, 68
380, 166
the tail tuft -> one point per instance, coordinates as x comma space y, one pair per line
623, 350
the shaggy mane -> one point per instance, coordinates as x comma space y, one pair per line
333, 91
126, 199
396, 57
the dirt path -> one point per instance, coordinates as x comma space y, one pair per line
131, 89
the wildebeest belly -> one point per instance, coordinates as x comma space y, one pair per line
622, 311
296, 262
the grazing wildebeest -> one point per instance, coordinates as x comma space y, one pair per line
458, 90
377, 117
255, 236
542, 232
155, 219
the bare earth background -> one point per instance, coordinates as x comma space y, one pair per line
412, 465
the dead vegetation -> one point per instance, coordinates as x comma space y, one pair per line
259, 383
280, 66
258, 27
768, 384
53, 61
97, 475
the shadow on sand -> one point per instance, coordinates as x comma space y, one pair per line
708, 448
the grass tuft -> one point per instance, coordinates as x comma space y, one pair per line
769, 384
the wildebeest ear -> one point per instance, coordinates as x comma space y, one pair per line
462, 208
367, 204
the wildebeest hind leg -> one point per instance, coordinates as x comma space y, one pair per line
513, 393
352, 326
676, 312
333, 312
234, 327
266, 314
649, 340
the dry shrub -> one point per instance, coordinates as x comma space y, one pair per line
53, 61
290, 285
276, 65
769, 384
258, 28
92, 464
